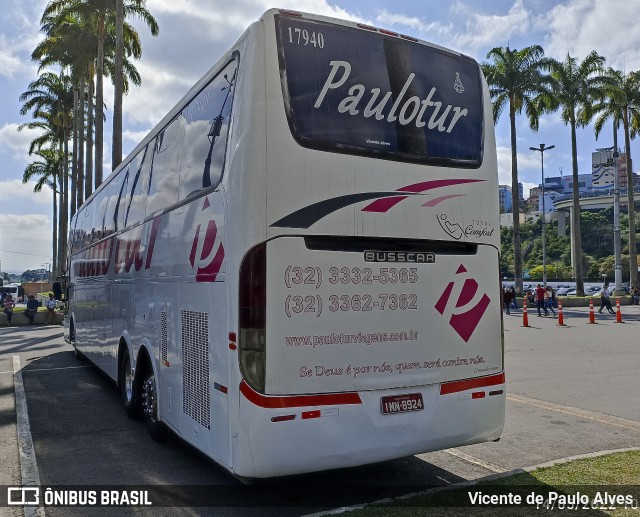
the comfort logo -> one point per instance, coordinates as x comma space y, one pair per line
202, 254
464, 319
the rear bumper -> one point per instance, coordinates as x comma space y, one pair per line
284, 437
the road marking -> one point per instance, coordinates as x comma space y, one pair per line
601, 418
59, 368
477, 461
28, 464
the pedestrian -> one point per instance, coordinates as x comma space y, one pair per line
9, 304
32, 308
540, 305
604, 300
548, 301
635, 295
513, 298
506, 298
50, 315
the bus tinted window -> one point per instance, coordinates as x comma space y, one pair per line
138, 186
207, 123
350, 90
163, 183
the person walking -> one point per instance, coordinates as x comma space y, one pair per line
506, 298
548, 300
605, 300
540, 292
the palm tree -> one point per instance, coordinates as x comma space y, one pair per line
50, 98
116, 139
576, 87
70, 44
516, 78
623, 105
47, 170
100, 13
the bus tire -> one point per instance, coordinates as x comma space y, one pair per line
129, 392
156, 428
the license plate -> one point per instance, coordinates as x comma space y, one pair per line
401, 403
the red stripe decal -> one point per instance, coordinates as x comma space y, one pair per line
469, 384
324, 399
383, 205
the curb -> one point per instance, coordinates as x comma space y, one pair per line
472, 482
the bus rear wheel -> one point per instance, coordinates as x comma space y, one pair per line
157, 429
128, 388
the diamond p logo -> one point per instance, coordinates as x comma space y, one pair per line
467, 312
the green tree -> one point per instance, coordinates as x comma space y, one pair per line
576, 87
516, 78
101, 14
622, 104
50, 99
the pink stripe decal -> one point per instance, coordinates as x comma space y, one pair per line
439, 200
430, 185
383, 205
469, 290
209, 239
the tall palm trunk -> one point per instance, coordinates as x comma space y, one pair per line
633, 258
54, 244
64, 210
116, 147
576, 237
74, 158
80, 182
99, 100
515, 196
88, 174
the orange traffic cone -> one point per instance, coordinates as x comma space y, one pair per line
592, 314
560, 316
618, 311
525, 318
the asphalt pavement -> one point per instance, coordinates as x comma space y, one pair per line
572, 390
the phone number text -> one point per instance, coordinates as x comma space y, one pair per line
310, 304
314, 276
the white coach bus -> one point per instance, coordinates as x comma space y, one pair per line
297, 269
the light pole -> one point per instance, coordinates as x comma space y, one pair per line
541, 150
616, 225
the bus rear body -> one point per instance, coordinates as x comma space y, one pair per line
331, 296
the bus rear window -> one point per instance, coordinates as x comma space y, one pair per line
349, 90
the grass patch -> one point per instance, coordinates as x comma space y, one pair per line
616, 474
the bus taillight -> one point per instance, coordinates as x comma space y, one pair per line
252, 316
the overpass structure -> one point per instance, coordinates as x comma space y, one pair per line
595, 201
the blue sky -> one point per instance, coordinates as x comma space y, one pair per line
194, 32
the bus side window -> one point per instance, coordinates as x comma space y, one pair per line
110, 218
121, 196
136, 200
207, 124
99, 212
85, 220
163, 181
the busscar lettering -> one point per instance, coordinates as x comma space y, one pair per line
410, 111
418, 257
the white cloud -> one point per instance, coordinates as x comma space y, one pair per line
34, 246
485, 31
16, 191
610, 28
17, 142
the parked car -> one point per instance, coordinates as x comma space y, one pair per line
564, 290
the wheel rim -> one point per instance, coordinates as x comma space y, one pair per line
128, 379
149, 399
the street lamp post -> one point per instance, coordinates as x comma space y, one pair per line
541, 150
616, 225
